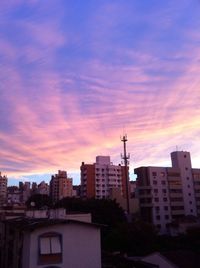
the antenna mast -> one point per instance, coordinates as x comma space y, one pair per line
126, 158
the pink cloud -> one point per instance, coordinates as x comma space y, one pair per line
52, 130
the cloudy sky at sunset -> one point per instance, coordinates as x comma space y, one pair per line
75, 75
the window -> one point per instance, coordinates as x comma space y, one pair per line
154, 182
156, 199
162, 174
155, 191
176, 199
158, 217
166, 217
175, 190
50, 248
163, 182
165, 199
164, 191
154, 173
177, 207
165, 208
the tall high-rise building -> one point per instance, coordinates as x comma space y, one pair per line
3, 189
60, 186
99, 178
169, 193
25, 191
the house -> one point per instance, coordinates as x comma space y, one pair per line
49, 243
174, 259
160, 260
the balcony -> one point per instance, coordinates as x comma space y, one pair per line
174, 195
145, 187
146, 205
178, 212
176, 203
146, 195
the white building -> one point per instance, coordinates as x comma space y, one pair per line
168, 194
54, 243
59, 213
43, 188
99, 178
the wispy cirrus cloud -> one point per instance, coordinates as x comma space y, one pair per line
70, 85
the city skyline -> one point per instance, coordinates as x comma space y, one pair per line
74, 77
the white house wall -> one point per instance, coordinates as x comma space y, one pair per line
80, 243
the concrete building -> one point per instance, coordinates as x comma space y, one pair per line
43, 188
76, 192
12, 211
133, 201
25, 191
99, 178
60, 186
3, 189
56, 243
59, 213
167, 194
13, 195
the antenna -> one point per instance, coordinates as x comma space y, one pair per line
125, 158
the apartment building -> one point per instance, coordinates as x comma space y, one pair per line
13, 195
167, 194
25, 190
3, 189
99, 178
43, 188
60, 186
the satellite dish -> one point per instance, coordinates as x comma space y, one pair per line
32, 204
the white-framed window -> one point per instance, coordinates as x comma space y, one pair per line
50, 248
50, 245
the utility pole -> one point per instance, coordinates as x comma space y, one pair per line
125, 158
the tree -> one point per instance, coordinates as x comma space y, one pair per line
39, 201
136, 238
104, 211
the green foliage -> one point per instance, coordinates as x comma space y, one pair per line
38, 201
136, 238
104, 211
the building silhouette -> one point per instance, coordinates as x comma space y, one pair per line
3, 189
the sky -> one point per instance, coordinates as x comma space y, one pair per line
76, 75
